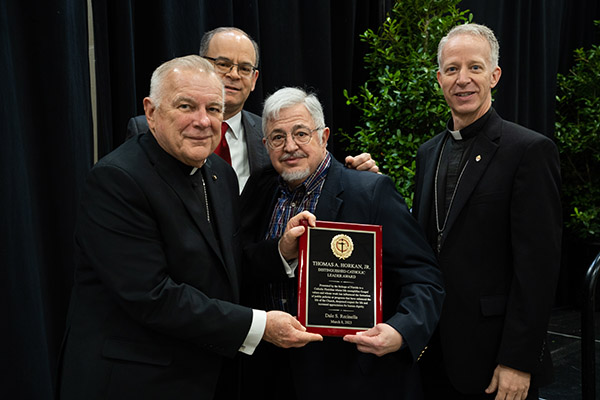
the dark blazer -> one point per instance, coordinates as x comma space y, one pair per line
412, 285
500, 255
257, 154
152, 314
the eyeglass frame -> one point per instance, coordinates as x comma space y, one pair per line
310, 132
224, 59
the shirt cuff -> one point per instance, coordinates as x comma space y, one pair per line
290, 268
255, 333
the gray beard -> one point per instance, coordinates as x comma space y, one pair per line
296, 176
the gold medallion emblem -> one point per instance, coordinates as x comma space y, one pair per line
342, 246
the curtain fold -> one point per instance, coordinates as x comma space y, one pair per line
46, 151
308, 43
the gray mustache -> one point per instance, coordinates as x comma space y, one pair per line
296, 154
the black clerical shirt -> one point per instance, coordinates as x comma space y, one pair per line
451, 164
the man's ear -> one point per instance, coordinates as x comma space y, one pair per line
495, 76
325, 136
149, 110
254, 79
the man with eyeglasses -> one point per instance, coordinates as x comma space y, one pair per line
235, 56
304, 178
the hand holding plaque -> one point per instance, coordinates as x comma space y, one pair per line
296, 226
339, 282
379, 340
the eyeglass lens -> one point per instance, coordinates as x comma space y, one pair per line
224, 65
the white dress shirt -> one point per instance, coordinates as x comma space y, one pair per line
236, 139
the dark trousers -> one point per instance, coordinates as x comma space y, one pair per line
266, 374
443, 389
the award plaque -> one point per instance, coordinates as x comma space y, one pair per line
339, 278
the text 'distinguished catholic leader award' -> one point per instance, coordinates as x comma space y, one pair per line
339, 279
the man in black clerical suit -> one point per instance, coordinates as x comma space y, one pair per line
236, 56
305, 178
154, 312
487, 195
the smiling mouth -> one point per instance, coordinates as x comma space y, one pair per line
198, 138
465, 94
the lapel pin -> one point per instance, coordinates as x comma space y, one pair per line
478, 158
214, 177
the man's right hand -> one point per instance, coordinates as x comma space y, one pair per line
285, 331
288, 244
362, 162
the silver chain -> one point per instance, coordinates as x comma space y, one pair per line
205, 197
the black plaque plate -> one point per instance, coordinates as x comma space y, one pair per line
339, 279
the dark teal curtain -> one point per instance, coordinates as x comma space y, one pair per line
46, 128
309, 43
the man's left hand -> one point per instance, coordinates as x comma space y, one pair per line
379, 340
510, 383
362, 162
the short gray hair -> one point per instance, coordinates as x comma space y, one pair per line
473, 30
207, 37
289, 97
191, 62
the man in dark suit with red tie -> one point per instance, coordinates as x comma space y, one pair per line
153, 312
487, 196
235, 56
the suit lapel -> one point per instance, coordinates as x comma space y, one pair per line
257, 155
220, 217
168, 169
329, 203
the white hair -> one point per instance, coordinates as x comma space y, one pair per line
473, 30
289, 97
191, 62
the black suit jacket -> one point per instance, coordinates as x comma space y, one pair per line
500, 254
412, 285
257, 154
152, 314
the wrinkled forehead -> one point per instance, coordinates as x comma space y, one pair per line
289, 118
180, 79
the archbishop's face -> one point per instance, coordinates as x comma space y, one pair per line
187, 122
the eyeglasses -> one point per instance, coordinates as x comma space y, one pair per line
300, 136
225, 65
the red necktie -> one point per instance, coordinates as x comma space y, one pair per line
222, 149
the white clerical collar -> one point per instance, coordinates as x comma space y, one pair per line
455, 134
235, 125
194, 169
